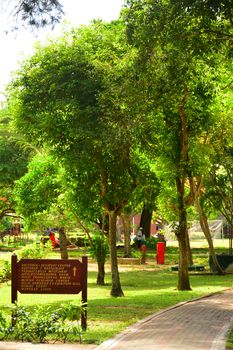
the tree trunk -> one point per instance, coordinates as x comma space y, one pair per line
183, 282
183, 170
63, 243
189, 251
181, 234
101, 273
101, 258
127, 233
206, 231
116, 290
145, 221
100, 253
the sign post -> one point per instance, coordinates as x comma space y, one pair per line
50, 276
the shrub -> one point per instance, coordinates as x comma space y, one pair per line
5, 328
80, 241
22, 322
99, 250
69, 315
40, 323
5, 268
34, 251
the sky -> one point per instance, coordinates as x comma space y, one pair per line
16, 46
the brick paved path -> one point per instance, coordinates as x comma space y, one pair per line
200, 324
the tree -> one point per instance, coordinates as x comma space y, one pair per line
70, 96
177, 66
126, 220
209, 12
218, 183
13, 164
33, 13
41, 190
198, 190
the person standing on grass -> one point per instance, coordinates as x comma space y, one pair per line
139, 238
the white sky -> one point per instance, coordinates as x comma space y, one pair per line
15, 46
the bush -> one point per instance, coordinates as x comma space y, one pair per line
34, 251
5, 328
41, 323
82, 241
151, 243
5, 268
99, 250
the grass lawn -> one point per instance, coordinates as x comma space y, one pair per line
147, 288
229, 343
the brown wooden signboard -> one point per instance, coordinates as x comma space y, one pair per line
50, 276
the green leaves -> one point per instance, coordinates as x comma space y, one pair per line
39, 323
39, 188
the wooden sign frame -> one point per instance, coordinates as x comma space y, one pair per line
50, 276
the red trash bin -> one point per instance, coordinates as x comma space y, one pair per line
160, 252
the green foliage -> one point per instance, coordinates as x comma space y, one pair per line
99, 250
43, 195
38, 323
13, 160
22, 322
5, 269
39, 188
70, 97
218, 181
5, 224
42, 323
70, 311
118, 115
13, 163
80, 240
148, 289
151, 243
229, 342
63, 98
5, 327
181, 74
34, 251
69, 330
213, 14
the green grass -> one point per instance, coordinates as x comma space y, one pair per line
229, 343
148, 288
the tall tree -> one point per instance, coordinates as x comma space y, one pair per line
13, 163
41, 190
208, 12
70, 96
218, 182
177, 65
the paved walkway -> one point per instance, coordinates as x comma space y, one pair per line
199, 324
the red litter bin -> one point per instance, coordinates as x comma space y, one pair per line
160, 252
